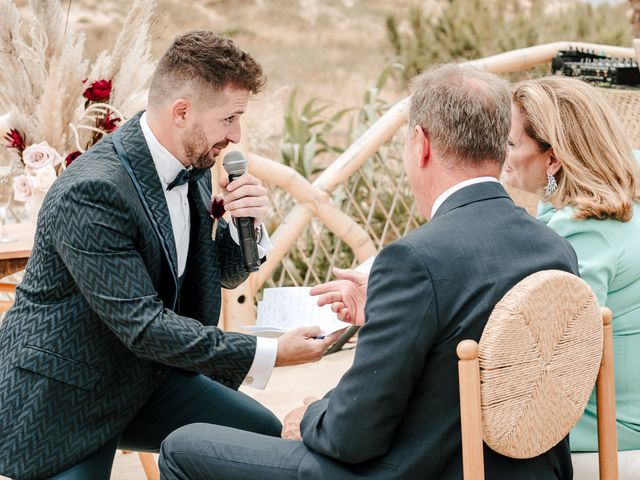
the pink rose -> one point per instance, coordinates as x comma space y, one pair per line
44, 178
40, 155
23, 187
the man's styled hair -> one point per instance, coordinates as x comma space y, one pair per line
465, 112
201, 62
599, 176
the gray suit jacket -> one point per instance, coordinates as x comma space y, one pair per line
99, 320
395, 414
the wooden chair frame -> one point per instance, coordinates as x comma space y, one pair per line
471, 414
149, 465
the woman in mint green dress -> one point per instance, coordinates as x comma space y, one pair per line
566, 145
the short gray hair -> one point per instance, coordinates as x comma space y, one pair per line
465, 112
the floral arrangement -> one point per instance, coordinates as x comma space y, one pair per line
56, 106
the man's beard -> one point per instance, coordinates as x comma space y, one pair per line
197, 150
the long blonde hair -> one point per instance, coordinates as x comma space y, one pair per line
599, 176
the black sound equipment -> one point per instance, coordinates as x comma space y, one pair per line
597, 68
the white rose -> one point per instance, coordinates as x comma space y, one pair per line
22, 187
44, 178
40, 155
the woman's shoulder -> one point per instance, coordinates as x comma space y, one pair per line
562, 218
614, 231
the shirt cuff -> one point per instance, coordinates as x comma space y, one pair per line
263, 363
264, 246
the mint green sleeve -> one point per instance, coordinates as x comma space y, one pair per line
596, 255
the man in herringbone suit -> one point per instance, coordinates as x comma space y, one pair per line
395, 414
112, 341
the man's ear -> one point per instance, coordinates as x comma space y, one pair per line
553, 164
425, 146
180, 110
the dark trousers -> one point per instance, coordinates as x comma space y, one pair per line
184, 398
211, 452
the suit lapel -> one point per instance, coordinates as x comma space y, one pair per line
200, 199
137, 160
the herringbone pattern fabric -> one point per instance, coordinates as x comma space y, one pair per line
92, 332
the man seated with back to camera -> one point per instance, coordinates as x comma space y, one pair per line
395, 414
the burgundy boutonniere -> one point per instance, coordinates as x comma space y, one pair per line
217, 211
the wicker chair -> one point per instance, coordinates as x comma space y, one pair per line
527, 383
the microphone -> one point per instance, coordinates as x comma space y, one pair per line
236, 165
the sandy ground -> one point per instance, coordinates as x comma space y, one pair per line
286, 389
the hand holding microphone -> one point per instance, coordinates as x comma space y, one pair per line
248, 202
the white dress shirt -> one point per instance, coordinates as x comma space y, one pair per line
168, 168
458, 186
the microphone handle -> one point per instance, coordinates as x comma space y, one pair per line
247, 240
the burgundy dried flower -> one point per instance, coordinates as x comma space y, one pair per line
98, 91
109, 123
217, 208
71, 157
15, 140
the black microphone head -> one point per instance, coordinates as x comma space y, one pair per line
234, 163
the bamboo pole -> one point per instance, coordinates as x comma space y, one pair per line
524, 58
315, 202
364, 147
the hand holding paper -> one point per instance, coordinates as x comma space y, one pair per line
303, 344
286, 308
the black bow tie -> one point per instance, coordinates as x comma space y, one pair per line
187, 176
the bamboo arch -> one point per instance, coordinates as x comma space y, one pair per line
314, 200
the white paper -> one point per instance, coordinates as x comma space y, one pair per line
286, 308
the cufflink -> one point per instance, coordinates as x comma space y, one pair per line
248, 380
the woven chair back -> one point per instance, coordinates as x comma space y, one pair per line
626, 103
539, 357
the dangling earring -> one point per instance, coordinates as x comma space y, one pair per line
551, 185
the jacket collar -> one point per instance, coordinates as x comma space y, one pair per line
471, 194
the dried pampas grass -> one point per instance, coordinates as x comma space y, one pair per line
129, 64
18, 89
42, 79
